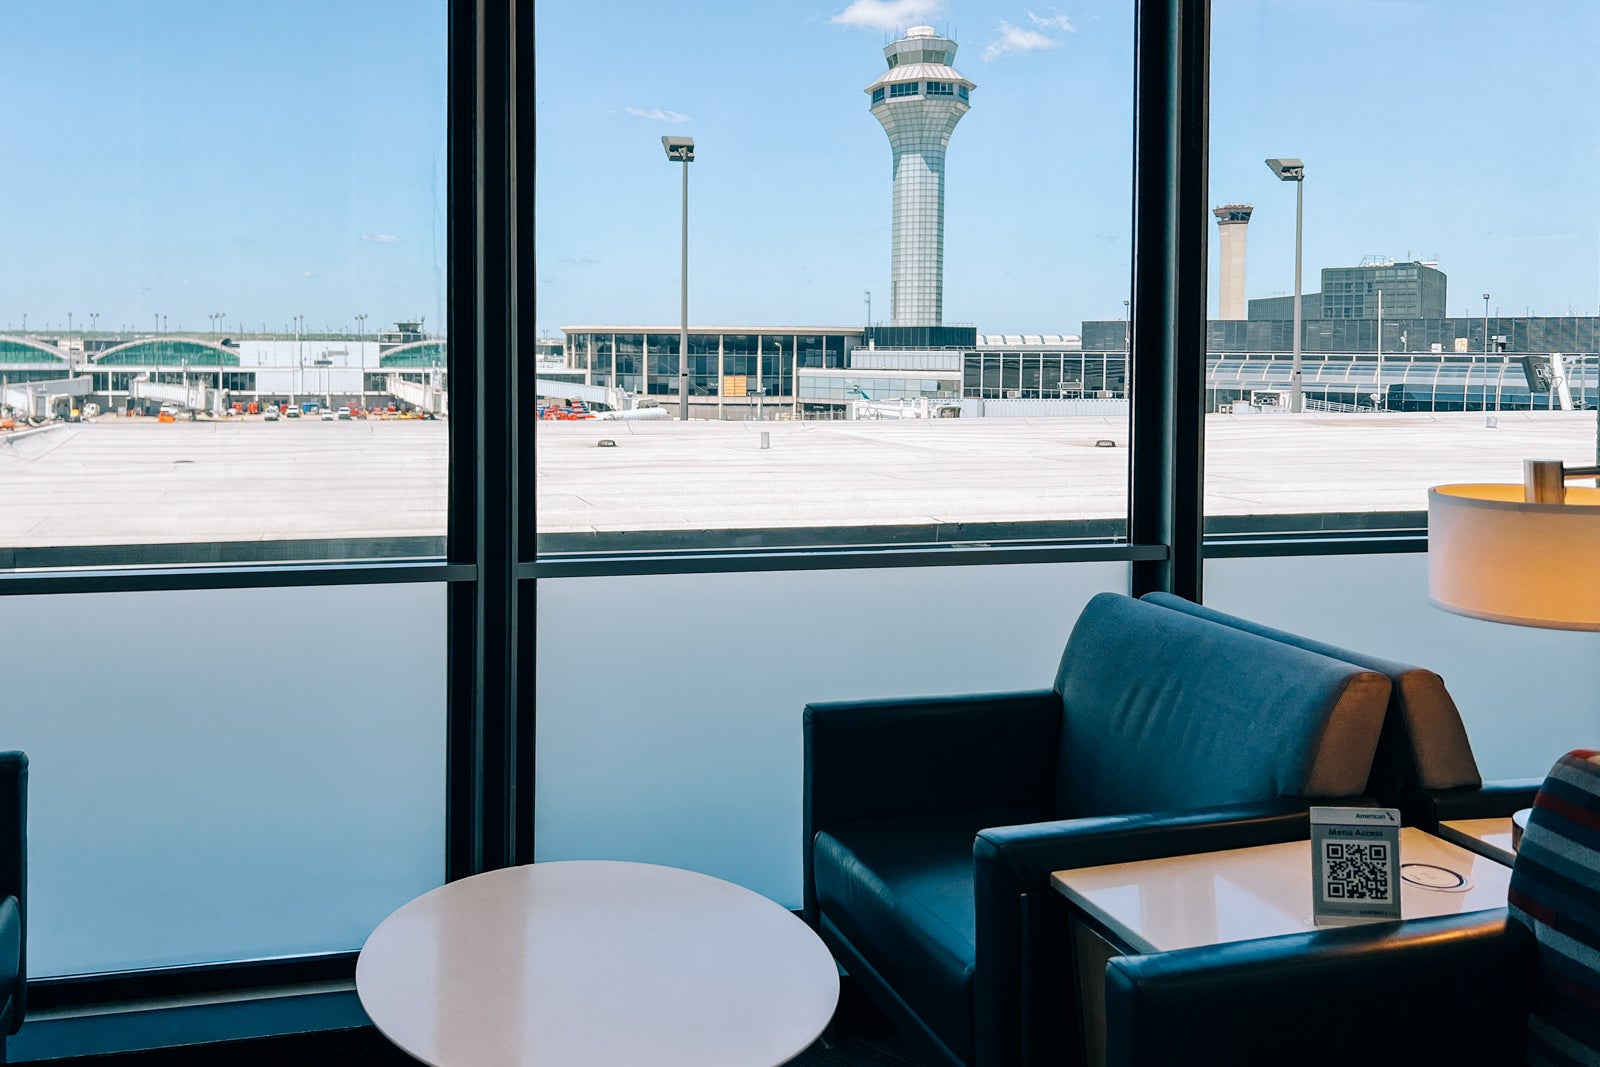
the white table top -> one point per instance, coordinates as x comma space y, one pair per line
596, 962
1214, 897
1492, 837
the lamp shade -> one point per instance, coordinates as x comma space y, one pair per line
1492, 555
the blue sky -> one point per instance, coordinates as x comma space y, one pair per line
181, 157
184, 157
1458, 129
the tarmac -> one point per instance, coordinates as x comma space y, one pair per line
711, 475
137, 481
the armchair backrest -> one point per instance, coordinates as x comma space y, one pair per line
14, 870
1555, 893
1163, 711
1424, 742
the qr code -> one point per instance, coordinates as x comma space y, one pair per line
1356, 871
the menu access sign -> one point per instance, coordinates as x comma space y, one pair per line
1355, 861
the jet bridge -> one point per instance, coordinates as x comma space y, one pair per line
44, 400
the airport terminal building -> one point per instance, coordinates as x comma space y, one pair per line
1413, 358
40, 374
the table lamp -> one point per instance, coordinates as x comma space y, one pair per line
1526, 554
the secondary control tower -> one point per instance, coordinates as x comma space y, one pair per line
919, 100
1232, 222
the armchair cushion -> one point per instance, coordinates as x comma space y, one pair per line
1164, 711
900, 891
1554, 895
1424, 741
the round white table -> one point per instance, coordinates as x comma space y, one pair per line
596, 962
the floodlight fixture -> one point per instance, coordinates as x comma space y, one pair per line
679, 149
1289, 170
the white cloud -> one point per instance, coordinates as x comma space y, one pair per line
380, 238
1015, 39
887, 14
1054, 22
657, 114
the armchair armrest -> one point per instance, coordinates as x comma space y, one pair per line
873, 759
1445, 990
991, 754
14, 867
1023, 966
11, 979
1491, 800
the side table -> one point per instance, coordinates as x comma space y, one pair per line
1237, 895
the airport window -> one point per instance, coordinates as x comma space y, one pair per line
228, 277
827, 332
1374, 460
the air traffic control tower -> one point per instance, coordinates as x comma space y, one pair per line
919, 100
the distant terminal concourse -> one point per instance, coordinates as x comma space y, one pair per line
50, 374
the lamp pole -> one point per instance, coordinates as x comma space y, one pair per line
681, 150
1382, 400
1486, 347
361, 353
216, 325
1292, 170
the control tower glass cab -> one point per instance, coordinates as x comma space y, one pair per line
919, 100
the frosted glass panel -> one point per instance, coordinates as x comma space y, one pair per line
669, 706
225, 774
1526, 695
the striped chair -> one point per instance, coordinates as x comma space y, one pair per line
1555, 893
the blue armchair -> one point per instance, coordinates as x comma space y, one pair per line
931, 825
13, 893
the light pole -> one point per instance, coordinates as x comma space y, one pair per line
1381, 401
361, 353
681, 150
216, 322
1486, 348
1292, 170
